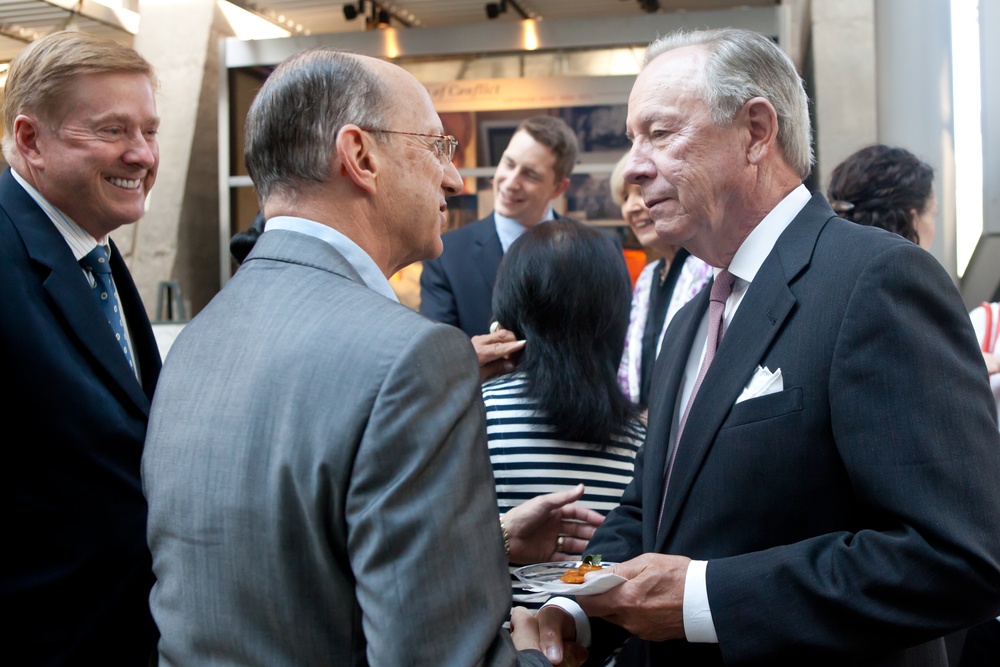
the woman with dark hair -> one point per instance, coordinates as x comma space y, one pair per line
561, 419
891, 188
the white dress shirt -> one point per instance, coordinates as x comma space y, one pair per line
508, 229
698, 624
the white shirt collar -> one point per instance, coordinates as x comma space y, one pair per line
509, 229
758, 245
745, 264
79, 240
351, 251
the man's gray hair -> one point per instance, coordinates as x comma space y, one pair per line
291, 130
742, 65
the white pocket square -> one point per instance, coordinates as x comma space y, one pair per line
762, 383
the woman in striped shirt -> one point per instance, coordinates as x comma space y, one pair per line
561, 418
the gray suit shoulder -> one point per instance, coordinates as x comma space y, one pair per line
532, 658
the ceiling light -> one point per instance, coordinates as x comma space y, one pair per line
351, 12
495, 9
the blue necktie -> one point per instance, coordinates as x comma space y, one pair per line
104, 291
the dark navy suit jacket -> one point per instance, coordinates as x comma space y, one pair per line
852, 515
457, 287
76, 571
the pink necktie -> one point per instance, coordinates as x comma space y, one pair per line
721, 289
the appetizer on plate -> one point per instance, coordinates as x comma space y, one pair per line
577, 575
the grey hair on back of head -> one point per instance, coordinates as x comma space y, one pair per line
291, 129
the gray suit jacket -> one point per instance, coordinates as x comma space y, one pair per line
318, 480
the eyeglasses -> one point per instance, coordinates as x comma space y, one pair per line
444, 144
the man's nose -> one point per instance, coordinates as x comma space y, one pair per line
639, 168
142, 150
452, 183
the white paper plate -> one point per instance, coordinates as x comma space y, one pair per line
545, 577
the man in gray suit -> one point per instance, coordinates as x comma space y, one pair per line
318, 482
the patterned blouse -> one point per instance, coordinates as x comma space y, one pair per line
694, 275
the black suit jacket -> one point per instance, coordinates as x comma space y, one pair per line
76, 571
853, 514
457, 287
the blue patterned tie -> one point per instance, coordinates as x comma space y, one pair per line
107, 298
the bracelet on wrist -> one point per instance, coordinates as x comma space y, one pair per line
506, 539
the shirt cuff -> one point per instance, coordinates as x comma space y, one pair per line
579, 617
698, 625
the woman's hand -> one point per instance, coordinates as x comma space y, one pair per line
550, 527
495, 351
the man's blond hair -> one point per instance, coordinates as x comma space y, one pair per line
39, 76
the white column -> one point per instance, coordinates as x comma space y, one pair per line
913, 47
844, 84
178, 238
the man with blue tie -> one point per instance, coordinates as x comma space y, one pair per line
79, 357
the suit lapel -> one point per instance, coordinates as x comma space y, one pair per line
767, 304
668, 372
487, 252
66, 284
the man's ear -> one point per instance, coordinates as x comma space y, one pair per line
761, 121
561, 188
26, 131
358, 161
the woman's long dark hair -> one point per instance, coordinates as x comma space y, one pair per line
563, 287
881, 186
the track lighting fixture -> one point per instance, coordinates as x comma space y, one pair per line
495, 9
379, 19
379, 15
352, 12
